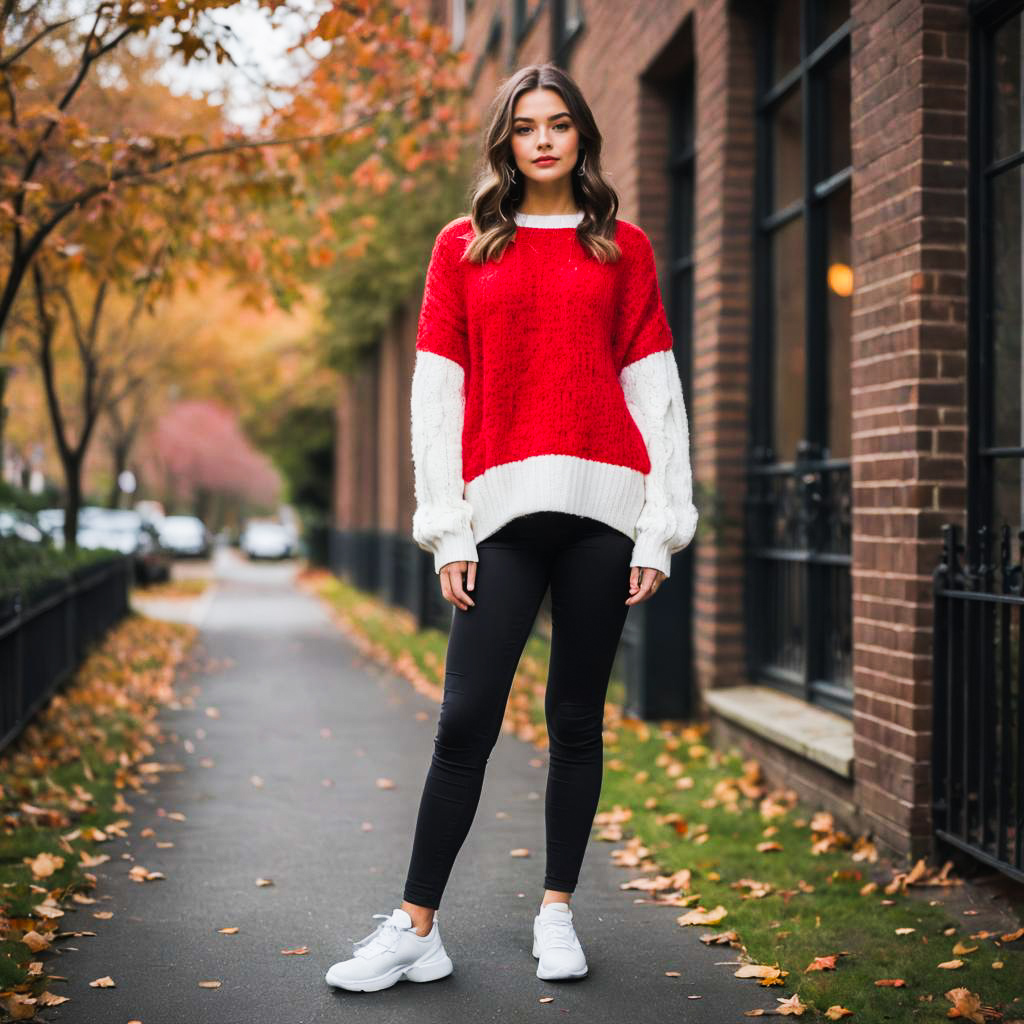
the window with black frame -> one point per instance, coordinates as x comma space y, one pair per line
999, 179
566, 27
798, 525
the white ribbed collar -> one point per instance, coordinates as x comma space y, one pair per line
549, 220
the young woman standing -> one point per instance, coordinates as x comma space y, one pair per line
550, 448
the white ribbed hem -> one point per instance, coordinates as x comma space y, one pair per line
549, 220
613, 495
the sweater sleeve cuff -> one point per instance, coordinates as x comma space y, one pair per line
651, 553
652, 550
454, 547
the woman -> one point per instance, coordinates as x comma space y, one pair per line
550, 448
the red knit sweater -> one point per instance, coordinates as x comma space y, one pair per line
533, 385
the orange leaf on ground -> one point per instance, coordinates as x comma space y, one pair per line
791, 1007
702, 916
965, 1004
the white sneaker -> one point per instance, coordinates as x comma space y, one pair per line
391, 952
555, 944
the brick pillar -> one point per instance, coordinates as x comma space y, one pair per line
718, 403
908, 116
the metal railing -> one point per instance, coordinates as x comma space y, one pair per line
978, 728
43, 642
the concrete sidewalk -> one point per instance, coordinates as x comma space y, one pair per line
297, 704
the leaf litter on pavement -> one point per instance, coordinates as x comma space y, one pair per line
62, 795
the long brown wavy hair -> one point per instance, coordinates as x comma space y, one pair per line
496, 197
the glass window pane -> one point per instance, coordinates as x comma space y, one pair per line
1006, 501
786, 52
1006, 88
827, 16
837, 84
789, 369
787, 146
838, 292
1006, 322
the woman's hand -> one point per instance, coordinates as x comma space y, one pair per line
451, 583
642, 587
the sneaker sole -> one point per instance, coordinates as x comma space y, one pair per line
429, 970
559, 976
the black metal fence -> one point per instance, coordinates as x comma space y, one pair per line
978, 728
393, 567
42, 643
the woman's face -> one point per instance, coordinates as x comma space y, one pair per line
543, 127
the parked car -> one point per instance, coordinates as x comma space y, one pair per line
152, 511
126, 531
265, 539
16, 523
185, 536
51, 520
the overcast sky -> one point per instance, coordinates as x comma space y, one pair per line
258, 46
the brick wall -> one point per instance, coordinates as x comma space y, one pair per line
908, 120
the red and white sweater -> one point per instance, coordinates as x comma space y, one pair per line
547, 381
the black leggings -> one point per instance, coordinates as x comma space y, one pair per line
586, 564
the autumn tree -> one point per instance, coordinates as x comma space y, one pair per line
55, 165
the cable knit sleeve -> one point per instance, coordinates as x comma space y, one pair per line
441, 521
651, 384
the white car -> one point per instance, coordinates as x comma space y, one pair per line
264, 539
185, 535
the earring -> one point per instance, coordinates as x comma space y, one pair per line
582, 165
513, 175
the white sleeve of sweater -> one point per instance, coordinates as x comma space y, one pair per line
441, 522
668, 519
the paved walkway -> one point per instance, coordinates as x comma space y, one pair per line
289, 676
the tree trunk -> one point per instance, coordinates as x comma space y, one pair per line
73, 487
4, 371
119, 456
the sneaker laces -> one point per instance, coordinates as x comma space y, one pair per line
384, 938
560, 931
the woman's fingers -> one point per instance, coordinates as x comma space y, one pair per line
451, 584
643, 582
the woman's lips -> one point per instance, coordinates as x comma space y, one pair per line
545, 160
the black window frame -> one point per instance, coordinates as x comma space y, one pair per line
987, 16
808, 489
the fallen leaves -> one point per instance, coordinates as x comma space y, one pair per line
966, 1004
822, 963
44, 864
837, 1012
700, 915
137, 873
767, 974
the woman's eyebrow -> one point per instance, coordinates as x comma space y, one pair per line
553, 117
